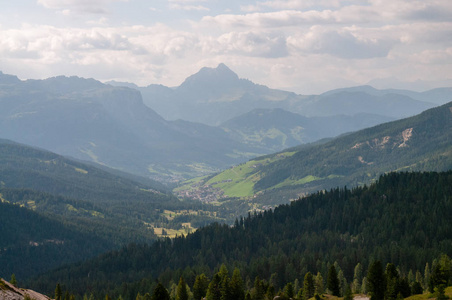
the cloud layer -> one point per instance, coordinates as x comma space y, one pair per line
305, 46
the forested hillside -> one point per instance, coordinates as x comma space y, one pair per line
404, 219
22, 166
31, 243
103, 210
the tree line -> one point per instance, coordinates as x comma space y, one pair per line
403, 219
380, 283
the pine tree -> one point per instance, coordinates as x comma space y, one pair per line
214, 289
376, 281
348, 293
225, 290
200, 287
160, 293
308, 286
182, 293
13, 280
236, 285
223, 272
58, 293
270, 294
332, 282
257, 292
147, 296
426, 276
419, 279
288, 290
357, 278
364, 286
392, 282
319, 287
342, 282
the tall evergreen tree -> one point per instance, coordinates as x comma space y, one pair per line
58, 293
214, 289
223, 272
392, 282
357, 278
426, 276
376, 281
225, 289
181, 293
258, 291
364, 286
342, 282
319, 286
160, 293
289, 291
13, 280
200, 287
237, 286
308, 286
332, 282
348, 293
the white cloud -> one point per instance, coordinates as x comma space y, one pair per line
271, 19
253, 44
188, 7
436, 57
342, 43
79, 6
291, 4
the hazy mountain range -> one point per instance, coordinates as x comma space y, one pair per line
215, 95
110, 125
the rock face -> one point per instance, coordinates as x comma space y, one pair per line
10, 292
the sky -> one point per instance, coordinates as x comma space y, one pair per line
304, 46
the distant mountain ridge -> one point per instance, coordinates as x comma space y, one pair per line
278, 129
215, 95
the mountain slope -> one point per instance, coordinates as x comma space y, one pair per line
278, 129
31, 243
23, 166
423, 142
385, 221
437, 96
88, 120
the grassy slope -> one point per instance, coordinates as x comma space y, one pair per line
352, 159
237, 181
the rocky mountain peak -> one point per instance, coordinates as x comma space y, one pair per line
219, 77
